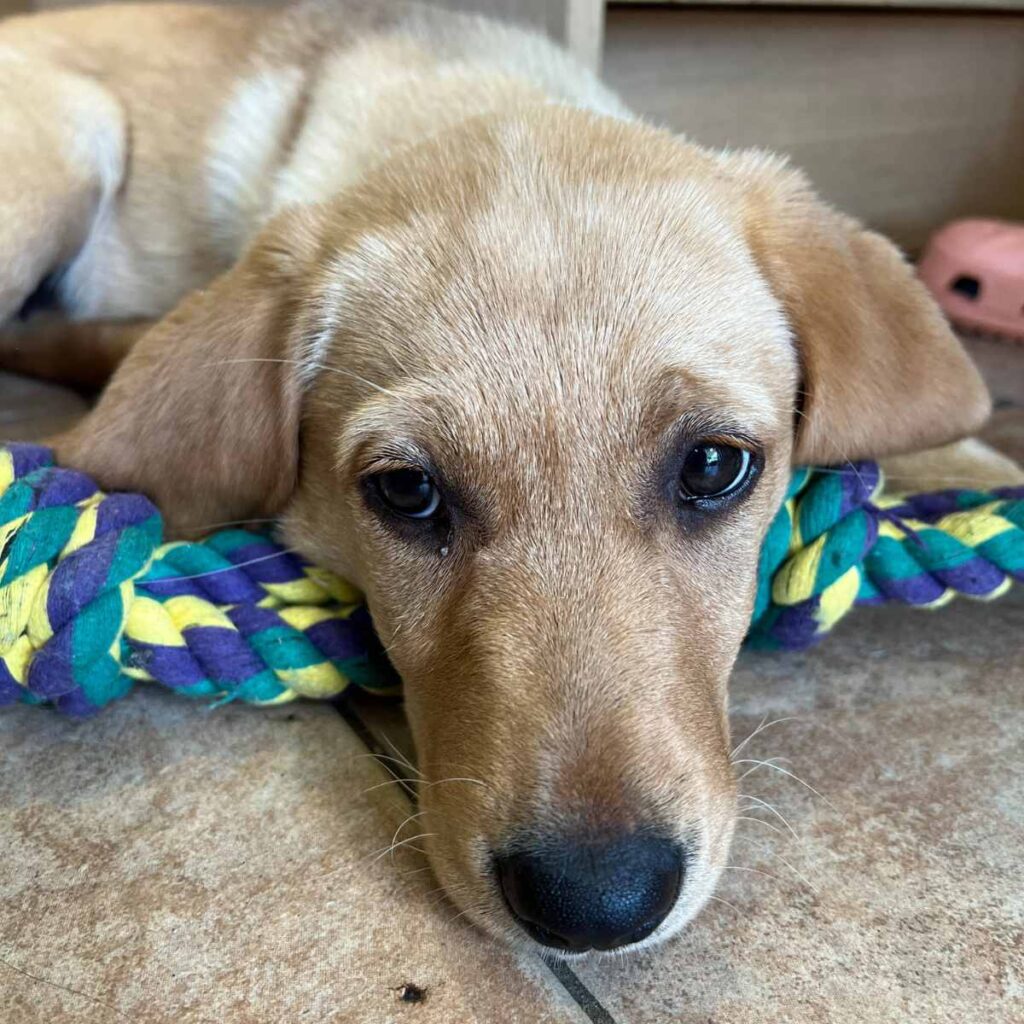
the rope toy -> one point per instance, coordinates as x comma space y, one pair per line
839, 540
92, 601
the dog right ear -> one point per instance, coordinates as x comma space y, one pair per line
882, 373
203, 414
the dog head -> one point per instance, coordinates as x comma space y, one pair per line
536, 387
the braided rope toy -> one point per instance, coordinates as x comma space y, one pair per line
839, 540
92, 601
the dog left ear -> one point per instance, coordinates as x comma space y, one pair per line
203, 414
882, 373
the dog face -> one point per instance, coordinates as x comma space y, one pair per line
536, 387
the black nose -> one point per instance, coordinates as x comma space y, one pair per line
580, 895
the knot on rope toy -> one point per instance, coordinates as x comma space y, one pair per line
92, 600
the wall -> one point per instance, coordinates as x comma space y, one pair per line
906, 119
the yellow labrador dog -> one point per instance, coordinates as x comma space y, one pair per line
529, 371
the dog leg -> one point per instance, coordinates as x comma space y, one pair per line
79, 354
970, 463
62, 150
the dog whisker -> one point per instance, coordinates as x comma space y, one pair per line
423, 779
400, 757
402, 842
398, 831
765, 724
456, 778
731, 906
228, 568
956, 480
756, 765
761, 821
790, 775
441, 764
442, 894
340, 370
777, 856
415, 871
233, 522
390, 782
754, 871
387, 757
478, 908
423, 783
772, 810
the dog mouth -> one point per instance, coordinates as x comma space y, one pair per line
589, 893
567, 878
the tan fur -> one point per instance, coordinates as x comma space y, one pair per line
449, 241
80, 354
967, 463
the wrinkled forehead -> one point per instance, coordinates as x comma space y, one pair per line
550, 316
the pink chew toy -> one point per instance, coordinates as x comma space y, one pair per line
975, 270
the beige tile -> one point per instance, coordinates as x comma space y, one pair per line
897, 899
910, 725
165, 863
175, 864
30, 409
1005, 432
1001, 362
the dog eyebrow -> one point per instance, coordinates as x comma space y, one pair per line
395, 449
701, 424
701, 402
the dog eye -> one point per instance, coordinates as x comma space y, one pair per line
713, 470
409, 492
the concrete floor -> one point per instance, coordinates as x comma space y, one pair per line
165, 862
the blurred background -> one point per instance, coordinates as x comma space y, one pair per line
906, 113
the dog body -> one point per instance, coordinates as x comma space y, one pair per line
484, 344
176, 133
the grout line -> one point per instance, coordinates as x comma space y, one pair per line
359, 727
566, 977
585, 999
